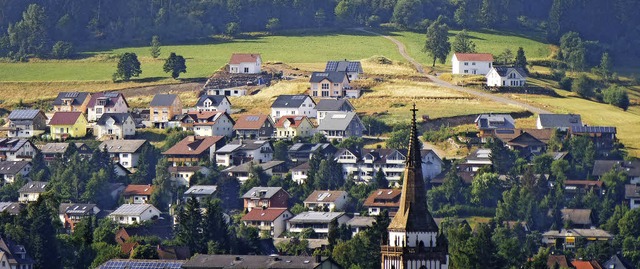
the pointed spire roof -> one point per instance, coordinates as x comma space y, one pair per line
413, 214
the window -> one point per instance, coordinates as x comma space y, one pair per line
474, 63
466, 71
246, 69
466, 63
134, 219
335, 84
325, 86
325, 93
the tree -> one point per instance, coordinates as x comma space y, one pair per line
155, 47
144, 252
42, 244
161, 195
628, 224
61, 50
333, 233
215, 226
617, 96
486, 189
463, 43
573, 50
521, 59
232, 28
273, 25
505, 57
175, 65
381, 179
399, 138
604, 69
189, 230
128, 66
280, 151
407, 12
29, 35
489, 13
437, 44
583, 86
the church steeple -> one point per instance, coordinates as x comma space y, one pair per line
413, 214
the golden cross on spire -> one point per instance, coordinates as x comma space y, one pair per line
414, 109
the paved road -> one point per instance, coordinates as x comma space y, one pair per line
403, 51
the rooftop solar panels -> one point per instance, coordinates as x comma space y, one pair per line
111, 94
331, 66
253, 118
298, 97
71, 95
141, 264
594, 129
23, 114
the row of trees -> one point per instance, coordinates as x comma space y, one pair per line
129, 65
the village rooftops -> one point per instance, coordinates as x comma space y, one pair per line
361, 221
316, 217
585, 264
53, 148
139, 264
588, 233
24, 114
138, 190
495, 121
250, 122
132, 209
122, 146
201, 190
261, 192
504, 70
118, 118
294, 121
13, 251
333, 105
334, 77
110, 97
238, 58
12, 208
560, 260
325, 196
559, 120
302, 167
474, 57
256, 261
337, 121
76, 209
163, 100
215, 99
631, 191
344, 66
34, 187
384, 198
259, 214
631, 168
193, 145
65, 118
246, 167
12, 167
577, 216
290, 101
77, 98
242, 145
12, 144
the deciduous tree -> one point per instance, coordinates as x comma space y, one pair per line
175, 65
437, 44
128, 66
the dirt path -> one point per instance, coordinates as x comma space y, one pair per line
403, 51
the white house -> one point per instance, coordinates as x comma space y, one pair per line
106, 102
208, 123
431, 164
271, 220
318, 221
286, 105
134, 213
10, 169
506, 77
26, 123
115, 126
242, 151
126, 152
353, 69
13, 149
327, 200
300, 173
137, 194
245, 63
214, 103
31, 191
471, 63
181, 175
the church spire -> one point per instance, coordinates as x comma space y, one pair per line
413, 214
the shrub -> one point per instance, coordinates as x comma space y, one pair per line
617, 96
62, 50
565, 83
583, 86
232, 28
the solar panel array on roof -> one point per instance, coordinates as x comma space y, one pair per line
594, 129
253, 118
21, 114
505, 131
71, 95
141, 264
298, 97
352, 66
331, 65
111, 94
298, 118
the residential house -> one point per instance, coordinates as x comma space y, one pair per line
383, 199
603, 137
11, 208
431, 164
360, 223
254, 126
329, 84
617, 262
577, 218
529, 142
31, 191
245, 63
573, 188
302, 152
72, 102
560, 260
14, 149
193, 150
630, 168
476, 160
291, 126
126, 152
134, 213
270, 220
579, 264
242, 151
327, 200
163, 108
471, 63
487, 124
26, 123
68, 124
332, 105
235, 91
350, 159
213, 103
114, 126
208, 123
266, 197
632, 195
201, 192
71, 214
285, 105
567, 239
54, 151
243, 172
341, 125
203, 261
353, 69
14, 256
137, 194
506, 77
106, 102
318, 221
561, 122
9, 170
300, 173
162, 228
181, 175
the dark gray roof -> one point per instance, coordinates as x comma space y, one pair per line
334, 105
631, 191
12, 144
24, 114
338, 121
262, 192
141, 264
632, 168
76, 209
559, 120
33, 187
617, 262
216, 99
504, 70
242, 145
163, 100
119, 118
78, 97
12, 249
255, 262
12, 167
593, 129
495, 121
333, 77
294, 101
122, 146
361, 221
344, 66
12, 208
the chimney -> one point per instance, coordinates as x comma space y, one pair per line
191, 138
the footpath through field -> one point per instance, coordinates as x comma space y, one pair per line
403, 51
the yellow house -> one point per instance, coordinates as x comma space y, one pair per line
292, 125
68, 124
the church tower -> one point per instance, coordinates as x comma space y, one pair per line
414, 240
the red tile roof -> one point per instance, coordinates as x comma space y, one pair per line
127, 248
259, 214
65, 118
586, 264
480, 57
250, 122
325, 196
238, 58
211, 117
294, 121
384, 198
138, 190
193, 145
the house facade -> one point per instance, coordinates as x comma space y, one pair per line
181, 175
71, 102
9, 170
106, 102
13, 149
68, 124
603, 137
318, 221
242, 151
487, 124
341, 125
285, 105
353, 69
327, 200
70, 214
200, 192
383, 199
194, 149
54, 151
302, 152
125, 152
266, 197
14, 256
254, 126
25, 123
471, 63
271, 220
245, 63
214, 103
300, 173
244, 171
31, 191
137, 194
134, 213
163, 108
329, 84
114, 126
332, 105
506, 77
291, 126
208, 123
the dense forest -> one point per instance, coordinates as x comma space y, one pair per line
52, 27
